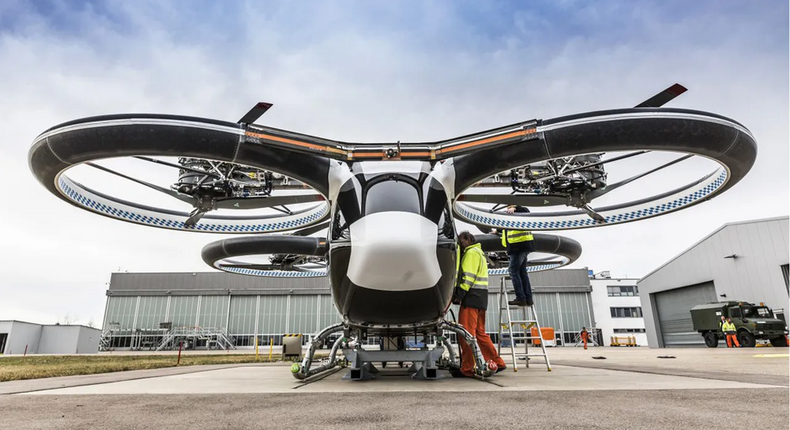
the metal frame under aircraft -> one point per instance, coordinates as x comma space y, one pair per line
387, 209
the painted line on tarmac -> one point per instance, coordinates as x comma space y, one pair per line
747, 378
771, 355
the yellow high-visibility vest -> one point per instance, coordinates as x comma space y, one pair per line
515, 236
474, 269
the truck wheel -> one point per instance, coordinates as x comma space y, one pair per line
746, 339
711, 340
779, 341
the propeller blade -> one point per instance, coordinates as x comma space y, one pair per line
310, 267
663, 97
307, 231
266, 202
609, 188
599, 163
529, 200
484, 230
256, 112
171, 193
594, 215
194, 217
177, 166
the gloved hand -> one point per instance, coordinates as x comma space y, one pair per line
456, 301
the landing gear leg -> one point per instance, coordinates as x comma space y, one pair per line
481, 368
303, 371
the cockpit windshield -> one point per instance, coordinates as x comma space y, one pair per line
392, 195
757, 312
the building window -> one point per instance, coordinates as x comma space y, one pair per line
622, 290
626, 312
786, 275
629, 330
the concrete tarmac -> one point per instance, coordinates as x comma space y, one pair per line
632, 388
764, 409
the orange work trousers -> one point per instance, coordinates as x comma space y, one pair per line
730, 339
474, 321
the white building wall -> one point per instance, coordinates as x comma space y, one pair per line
49, 339
57, 339
761, 247
88, 341
603, 316
20, 335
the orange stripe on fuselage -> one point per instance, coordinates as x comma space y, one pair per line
296, 142
351, 155
488, 140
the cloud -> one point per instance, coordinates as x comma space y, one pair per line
372, 71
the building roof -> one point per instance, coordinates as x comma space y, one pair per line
18, 321
194, 283
729, 224
221, 283
52, 325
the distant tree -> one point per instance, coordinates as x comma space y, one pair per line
91, 324
67, 320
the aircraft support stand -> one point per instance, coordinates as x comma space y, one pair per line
423, 362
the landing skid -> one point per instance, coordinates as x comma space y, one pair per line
426, 362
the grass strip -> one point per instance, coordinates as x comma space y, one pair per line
34, 367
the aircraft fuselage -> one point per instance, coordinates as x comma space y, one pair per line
392, 244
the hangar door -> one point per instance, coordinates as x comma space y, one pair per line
674, 316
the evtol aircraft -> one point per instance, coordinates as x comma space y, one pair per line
387, 211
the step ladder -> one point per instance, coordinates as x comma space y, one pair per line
527, 317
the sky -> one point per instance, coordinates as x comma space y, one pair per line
366, 71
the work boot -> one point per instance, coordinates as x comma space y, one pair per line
517, 302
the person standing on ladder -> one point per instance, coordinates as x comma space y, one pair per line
519, 244
471, 292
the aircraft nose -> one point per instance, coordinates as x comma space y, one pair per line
394, 251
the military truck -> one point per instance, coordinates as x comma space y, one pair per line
751, 322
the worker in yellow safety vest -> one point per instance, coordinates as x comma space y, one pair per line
471, 293
519, 244
729, 330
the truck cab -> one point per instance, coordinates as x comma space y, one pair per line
751, 322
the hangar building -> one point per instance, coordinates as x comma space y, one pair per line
739, 261
219, 309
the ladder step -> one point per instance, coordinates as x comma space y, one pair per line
524, 335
